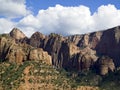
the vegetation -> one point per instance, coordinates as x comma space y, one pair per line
111, 81
13, 76
4, 35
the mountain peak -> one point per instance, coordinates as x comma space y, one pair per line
38, 34
17, 33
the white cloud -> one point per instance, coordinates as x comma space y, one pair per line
106, 17
29, 21
5, 25
28, 31
59, 19
69, 20
72, 20
13, 8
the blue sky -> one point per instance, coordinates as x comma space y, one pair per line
92, 4
64, 17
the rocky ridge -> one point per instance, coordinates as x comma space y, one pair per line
77, 52
17, 52
81, 52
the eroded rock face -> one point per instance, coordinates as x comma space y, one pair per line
39, 54
75, 38
105, 65
17, 34
88, 58
73, 49
18, 53
109, 44
5, 45
52, 44
82, 51
103, 42
15, 54
79, 52
85, 59
37, 39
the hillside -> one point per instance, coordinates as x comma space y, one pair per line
33, 75
54, 62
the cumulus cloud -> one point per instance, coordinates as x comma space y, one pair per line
106, 17
69, 20
59, 19
6, 25
13, 8
72, 20
65, 20
29, 21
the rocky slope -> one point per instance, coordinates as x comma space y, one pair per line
34, 75
17, 52
77, 52
65, 54
80, 51
87, 58
103, 42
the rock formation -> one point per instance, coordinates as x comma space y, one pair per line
79, 52
17, 34
103, 42
18, 53
39, 54
37, 39
105, 65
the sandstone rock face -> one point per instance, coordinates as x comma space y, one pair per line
17, 34
103, 42
94, 39
105, 65
75, 38
39, 54
67, 55
52, 44
36, 39
5, 45
15, 54
79, 52
18, 53
85, 59
73, 49
109, 44
84, 41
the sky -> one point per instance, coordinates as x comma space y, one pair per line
66, 17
